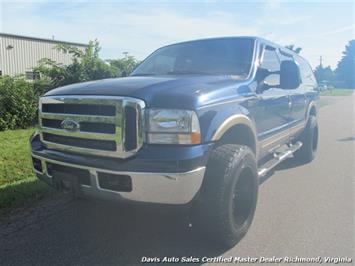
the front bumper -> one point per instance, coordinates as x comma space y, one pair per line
176, 182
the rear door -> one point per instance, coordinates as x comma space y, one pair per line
299, 99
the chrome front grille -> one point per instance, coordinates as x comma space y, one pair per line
97, 125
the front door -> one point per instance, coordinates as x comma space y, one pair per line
272, 114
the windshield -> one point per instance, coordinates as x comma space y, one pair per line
211, 57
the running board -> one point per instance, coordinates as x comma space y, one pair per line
278, 158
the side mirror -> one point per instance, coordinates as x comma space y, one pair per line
290, 77
261, 75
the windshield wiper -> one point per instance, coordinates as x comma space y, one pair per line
187, 72
142, 74
175, 72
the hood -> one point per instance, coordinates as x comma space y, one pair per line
186, 92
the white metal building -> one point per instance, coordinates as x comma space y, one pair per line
19, 54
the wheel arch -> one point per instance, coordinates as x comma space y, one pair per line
312, 110
237, 129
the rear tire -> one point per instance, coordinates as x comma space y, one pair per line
309, 139
226, 206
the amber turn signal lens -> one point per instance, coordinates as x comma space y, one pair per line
195, 138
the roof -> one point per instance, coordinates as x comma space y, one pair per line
41, 39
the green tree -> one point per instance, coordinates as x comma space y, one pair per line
292, 47
324, 74
124, 66
18, 103
86, 65
346, 66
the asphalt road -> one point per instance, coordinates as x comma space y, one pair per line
303, 211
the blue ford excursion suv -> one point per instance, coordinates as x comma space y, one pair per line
197, 123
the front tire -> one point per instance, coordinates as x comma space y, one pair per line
227, 203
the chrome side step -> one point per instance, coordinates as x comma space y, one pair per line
278, 158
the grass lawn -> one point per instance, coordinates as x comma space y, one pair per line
18, 184
337, 92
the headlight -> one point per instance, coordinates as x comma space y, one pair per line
167, 126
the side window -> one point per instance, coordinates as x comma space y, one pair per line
271, 62
307, 75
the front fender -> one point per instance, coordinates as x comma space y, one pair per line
215, 120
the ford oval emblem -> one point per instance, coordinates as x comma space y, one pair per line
70, 125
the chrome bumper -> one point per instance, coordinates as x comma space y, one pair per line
164, 188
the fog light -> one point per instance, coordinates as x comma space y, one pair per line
114, 182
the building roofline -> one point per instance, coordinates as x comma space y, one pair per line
41, 39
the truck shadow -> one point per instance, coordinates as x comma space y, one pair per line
287, 164
156, 231
97, 233
86, 232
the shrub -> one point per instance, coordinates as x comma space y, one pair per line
124, 66
85, 66
18, 103
18, 97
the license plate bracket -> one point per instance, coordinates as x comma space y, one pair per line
66, 182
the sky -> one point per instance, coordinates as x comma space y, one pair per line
320, 28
